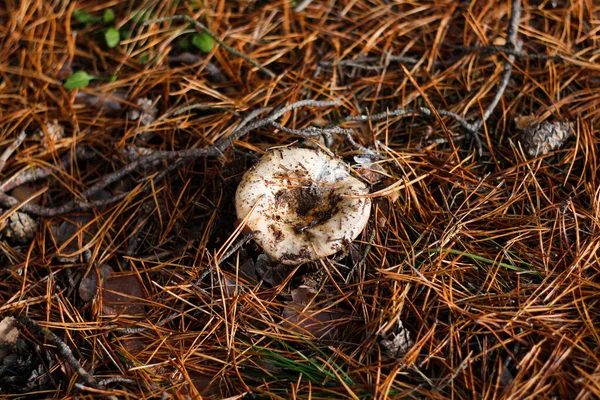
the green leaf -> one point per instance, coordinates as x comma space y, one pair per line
109, 15
204, 42
78, 80
112, 37
83, 17
184, 44
112, 78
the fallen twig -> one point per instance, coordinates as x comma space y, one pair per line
161, 156
11, 149
36, 173
63, 350
512, 49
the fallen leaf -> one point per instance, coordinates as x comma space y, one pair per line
186, 58
71, 235
122, 294
316, 322
108, 103
24, 193
399, 344
271, 271
303, 294
372, 173
203, 384
88, 287
132, 345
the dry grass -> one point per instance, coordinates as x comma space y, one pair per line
492, 262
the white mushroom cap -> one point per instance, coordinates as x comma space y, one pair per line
304, 204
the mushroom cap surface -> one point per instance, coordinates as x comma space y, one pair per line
300, 202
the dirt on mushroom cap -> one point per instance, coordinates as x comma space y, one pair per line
299, 202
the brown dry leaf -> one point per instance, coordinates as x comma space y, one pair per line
248, 271
185, 58
8, 336
108, 103
371, 173
270, 271
303, 317
132, 345
122, 294
317, 322
303, 294
89, 284
202, 383
69, 232
24, 193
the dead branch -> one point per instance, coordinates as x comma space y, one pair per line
63, 350
37, 173
160, 156
11, 149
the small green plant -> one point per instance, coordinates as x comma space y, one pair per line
109, 16
112, 37
78, 80
83, 17
204, 42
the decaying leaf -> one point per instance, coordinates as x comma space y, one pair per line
185, 58
542, 138
8, 336
271, 271
306, 316
20, 227
108, 103
315, 321
203, 384
70, 237
146, 113
398, 343
132, 345
25, 193
122, 294
303, 294
89, 284
370, 172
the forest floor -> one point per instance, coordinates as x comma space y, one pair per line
124, 272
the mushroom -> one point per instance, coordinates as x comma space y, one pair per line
303, 204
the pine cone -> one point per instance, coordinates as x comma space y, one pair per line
542, 138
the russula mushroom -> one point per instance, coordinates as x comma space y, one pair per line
302, 203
